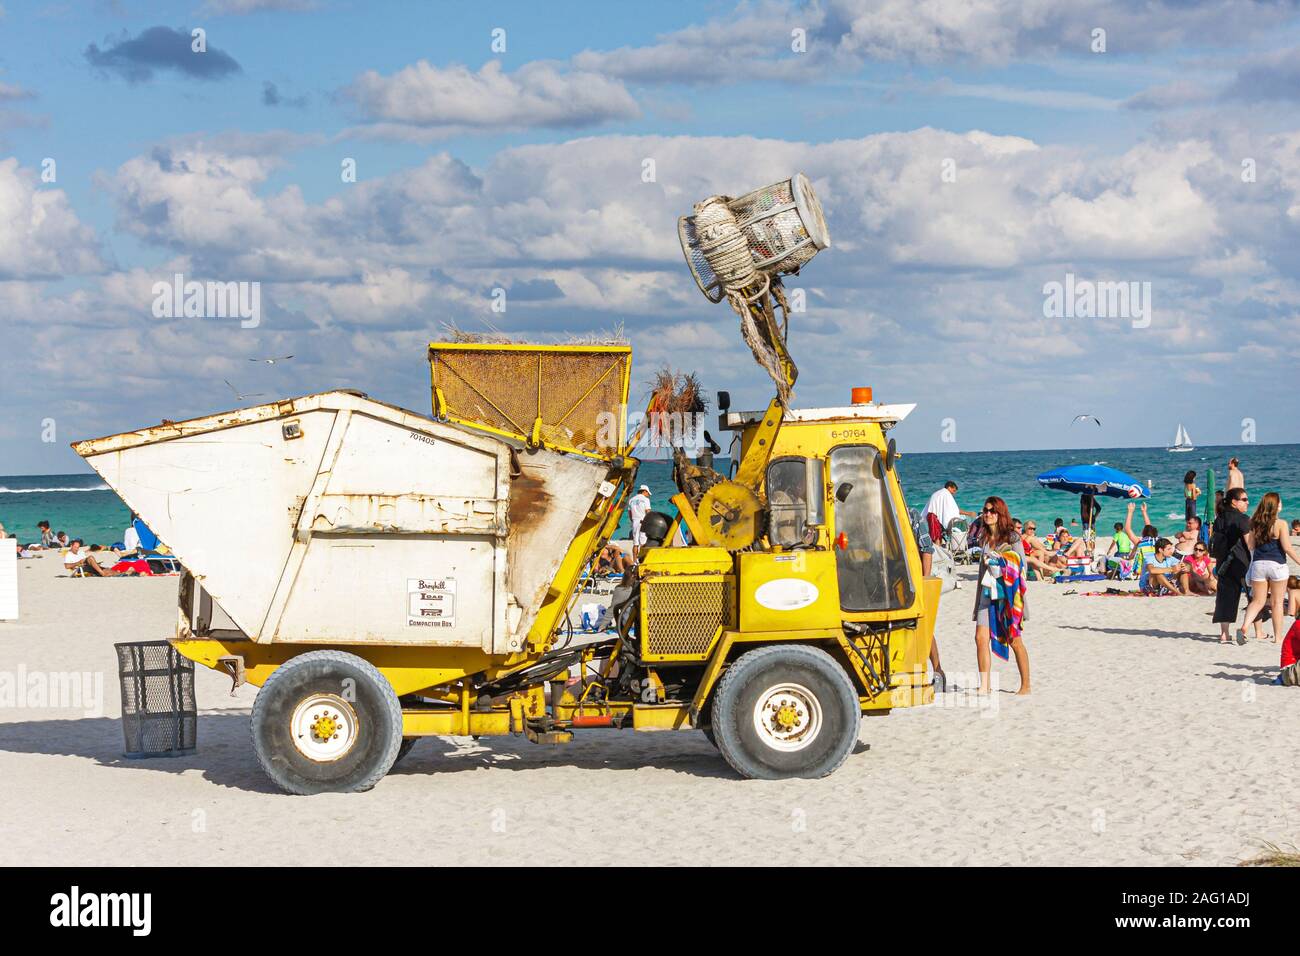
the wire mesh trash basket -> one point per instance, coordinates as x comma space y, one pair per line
774, 230
160, 716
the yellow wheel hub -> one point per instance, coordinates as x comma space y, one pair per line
787, 716
324, 727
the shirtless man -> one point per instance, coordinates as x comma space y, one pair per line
1235, 478
1185, 540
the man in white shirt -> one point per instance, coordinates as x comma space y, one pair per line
637, 507
78, 556
941, 511
130, 540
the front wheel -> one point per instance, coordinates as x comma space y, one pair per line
326, 722
785, 711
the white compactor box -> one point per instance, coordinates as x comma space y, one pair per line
337, 519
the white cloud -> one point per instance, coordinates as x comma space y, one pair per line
40, 235
453, 98
922, 275
754, 40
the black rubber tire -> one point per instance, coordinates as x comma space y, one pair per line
706, 722
744, 683
404, 749
378, 714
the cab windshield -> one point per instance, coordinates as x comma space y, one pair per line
872, 565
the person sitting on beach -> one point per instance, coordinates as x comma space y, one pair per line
1036, 550
61, 540
1295, 528
46, 539
1121, 545
131, 538
1201, 579
612, 560
1030, 537
78, 558
1187, 538
1164, 573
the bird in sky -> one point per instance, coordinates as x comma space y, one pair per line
272, 361
1086, 418
239, 397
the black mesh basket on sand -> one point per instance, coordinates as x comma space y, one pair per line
159, 711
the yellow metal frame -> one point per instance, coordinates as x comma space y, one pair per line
533, 434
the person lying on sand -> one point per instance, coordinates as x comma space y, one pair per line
78, 557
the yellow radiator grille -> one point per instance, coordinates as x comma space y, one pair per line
681, 614
565, 392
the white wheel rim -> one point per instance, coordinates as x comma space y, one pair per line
787, 717
324, 727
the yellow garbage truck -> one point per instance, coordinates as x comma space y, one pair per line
382, 575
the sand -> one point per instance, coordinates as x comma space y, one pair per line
1145, 742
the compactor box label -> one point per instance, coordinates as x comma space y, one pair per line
430, 602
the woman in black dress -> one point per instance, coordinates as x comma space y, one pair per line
1232, 558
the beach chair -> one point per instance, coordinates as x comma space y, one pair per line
957, 536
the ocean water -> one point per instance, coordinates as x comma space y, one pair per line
82, 505
1011, 475
85, 507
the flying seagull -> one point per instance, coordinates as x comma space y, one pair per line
239, 397
1086, 418
272, 361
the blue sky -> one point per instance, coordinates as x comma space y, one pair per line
521, 170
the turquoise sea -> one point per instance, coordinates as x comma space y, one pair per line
1011, 474
84, 506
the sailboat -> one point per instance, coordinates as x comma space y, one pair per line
1182, 441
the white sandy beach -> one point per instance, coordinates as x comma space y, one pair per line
1145, 742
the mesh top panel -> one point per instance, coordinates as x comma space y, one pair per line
508, 389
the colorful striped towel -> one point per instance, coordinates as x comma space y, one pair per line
1007, 613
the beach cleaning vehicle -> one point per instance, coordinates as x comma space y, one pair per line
382, 575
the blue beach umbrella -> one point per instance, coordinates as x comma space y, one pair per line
1097, 480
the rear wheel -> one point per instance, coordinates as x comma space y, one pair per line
706, 723
402, 751
326, 722
785, 711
